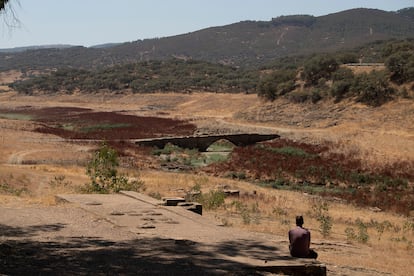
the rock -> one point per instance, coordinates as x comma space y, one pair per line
117, 213
232, 193
375, 209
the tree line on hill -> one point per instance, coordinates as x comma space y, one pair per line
300, 78
324, 76
145, 77
244, 44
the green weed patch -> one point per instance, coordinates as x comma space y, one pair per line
16, 116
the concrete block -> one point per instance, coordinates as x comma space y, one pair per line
172, 201
192, 206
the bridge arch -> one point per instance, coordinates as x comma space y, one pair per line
203, 142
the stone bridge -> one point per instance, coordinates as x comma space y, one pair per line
203, 142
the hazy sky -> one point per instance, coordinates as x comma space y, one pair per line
92, 22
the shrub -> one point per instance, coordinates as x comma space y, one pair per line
339, 89
401, 66
362, 235
362, 231
245, 213
299, 96
342, 82
373, 88
210, 201
347, 58
316, 95
213, 200
59, 181
342, 74
350, 234
277, 84
102, 170
319, 67
6, 188
320, 210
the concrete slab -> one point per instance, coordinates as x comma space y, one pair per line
229, 249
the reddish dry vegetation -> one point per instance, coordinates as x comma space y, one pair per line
81, 123
278, 164
317, 169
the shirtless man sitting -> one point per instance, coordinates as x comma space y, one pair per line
299, 239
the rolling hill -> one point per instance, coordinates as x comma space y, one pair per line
247, 43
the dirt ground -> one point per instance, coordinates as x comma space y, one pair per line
31, 159
72, 241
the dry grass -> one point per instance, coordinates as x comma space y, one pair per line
378, 135
273, 211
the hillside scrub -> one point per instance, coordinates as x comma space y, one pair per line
400, 61
325, 76
300, 79
145, 77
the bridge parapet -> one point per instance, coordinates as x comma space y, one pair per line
203, 142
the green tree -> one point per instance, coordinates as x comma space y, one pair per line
347, 57
277, 84
373, 88
401, 66
3, 4
342, 82
8, 13
319, 67
397, 46
102, 170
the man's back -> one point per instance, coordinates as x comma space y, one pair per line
299, 242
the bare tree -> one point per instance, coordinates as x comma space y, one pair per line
8, 14
3, 4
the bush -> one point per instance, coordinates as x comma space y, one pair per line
373, 88
102, 170
320, 210
343, 74
401, 66
362, 235
300, 96
277, 84
347, 58
362, 232
350, 234
319, 67
316, 95
213, 200
340, 88
210, 201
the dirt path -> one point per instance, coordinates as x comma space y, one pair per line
17, 157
